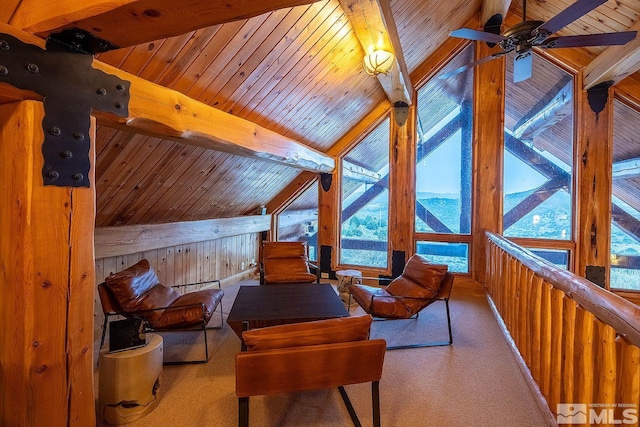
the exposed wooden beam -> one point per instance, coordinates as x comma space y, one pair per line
614, 64
534, 200
493, 7
157, 111
129, 239
532, 158
373, 23
297, 217
430, 219
626, 222
358, 173
7, 10
542, 118
129, 22
629, 168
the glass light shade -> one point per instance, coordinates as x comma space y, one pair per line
378, 62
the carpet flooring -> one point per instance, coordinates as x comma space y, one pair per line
474, 382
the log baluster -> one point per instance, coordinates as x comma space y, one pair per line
580, 343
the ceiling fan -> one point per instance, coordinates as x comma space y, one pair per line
525, 35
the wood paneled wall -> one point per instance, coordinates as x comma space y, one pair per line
228, 259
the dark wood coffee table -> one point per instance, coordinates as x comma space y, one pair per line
270, 305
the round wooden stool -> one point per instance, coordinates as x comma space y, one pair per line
347, 278
129, 381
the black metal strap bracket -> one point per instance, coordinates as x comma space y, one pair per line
71, 88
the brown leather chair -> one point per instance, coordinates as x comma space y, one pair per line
286, 262
308, 356
137, 293
420, 284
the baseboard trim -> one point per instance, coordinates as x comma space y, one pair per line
228, 281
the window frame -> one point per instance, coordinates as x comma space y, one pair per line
338, 176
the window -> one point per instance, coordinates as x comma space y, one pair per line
538, 158
625, 200
455, 255
444, 166
557, 257
443, 162
365, 201
299, 221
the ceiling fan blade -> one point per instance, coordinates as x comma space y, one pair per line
483, 36
471, 65
522, 66
570, 14
602, 39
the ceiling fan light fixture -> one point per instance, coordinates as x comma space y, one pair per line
378, 62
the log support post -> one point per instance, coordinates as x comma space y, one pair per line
593, 158
47, 282
402, 195
488, 146
328, 226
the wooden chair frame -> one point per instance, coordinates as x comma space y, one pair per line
293, 364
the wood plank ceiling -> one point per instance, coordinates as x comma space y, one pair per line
296, 71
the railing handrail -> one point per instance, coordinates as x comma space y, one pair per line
622, 315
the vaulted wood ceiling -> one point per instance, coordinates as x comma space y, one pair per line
296, 71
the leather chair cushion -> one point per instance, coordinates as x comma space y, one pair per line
290, 270
287, 265
271, 250
186, 310
382, 305
419, 270
272, 279
344, 329
127, 286
157, 297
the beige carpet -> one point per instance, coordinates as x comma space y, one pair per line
475, 382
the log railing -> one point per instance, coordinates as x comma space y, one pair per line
580, 342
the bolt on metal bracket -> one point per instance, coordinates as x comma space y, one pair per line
71, 88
